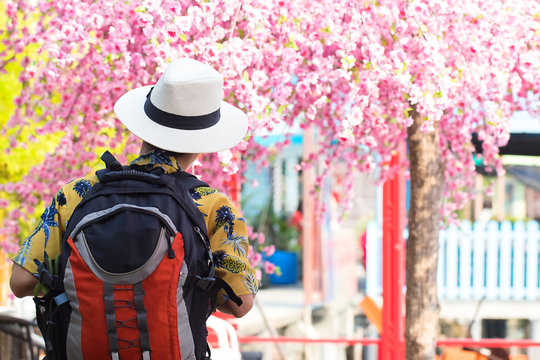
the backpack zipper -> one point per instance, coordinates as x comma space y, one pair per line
169, 234
198, 230
206, 244
170, 251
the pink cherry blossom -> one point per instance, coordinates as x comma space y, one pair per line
256, 259
269, 267
350, 70
269, 250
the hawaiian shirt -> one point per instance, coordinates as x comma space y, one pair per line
226, 226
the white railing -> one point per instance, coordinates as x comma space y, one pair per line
498, 261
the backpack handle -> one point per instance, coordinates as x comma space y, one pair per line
110, 161
127, 174
115, 171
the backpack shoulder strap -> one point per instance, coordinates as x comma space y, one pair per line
185, 182
190, 181
212, 284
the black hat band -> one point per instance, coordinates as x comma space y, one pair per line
179, 121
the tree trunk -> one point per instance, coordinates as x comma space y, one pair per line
421, 303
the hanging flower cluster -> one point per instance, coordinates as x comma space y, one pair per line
352, 70
259, 252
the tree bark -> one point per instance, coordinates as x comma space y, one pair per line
421, 303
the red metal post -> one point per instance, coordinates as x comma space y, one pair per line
234, 184
486, 343
393, 263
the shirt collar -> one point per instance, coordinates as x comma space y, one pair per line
158, 158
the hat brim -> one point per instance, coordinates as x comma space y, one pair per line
226, 133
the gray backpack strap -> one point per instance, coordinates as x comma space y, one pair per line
138, 295
110, 316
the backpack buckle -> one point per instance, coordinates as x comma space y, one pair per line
204, 283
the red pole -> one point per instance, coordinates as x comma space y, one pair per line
234, 184
393, 256
305, 340
487, 343
235, 189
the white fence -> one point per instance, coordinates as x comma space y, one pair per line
498, 261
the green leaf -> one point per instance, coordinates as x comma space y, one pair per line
291, 43
406, 112
348, 60
282, 19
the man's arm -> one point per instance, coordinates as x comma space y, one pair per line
230, 307
229, 241
46, 238
22, 281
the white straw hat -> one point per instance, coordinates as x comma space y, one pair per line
184, 112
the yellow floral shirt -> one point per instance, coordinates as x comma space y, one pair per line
226, 227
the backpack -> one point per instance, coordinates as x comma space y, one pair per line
135, 278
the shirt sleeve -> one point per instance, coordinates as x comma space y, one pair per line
46, 236
229, 243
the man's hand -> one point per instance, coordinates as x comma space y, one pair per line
22, 281
229, 307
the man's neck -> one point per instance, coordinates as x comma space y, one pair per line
186, 160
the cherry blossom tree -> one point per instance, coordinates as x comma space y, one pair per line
365, 74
